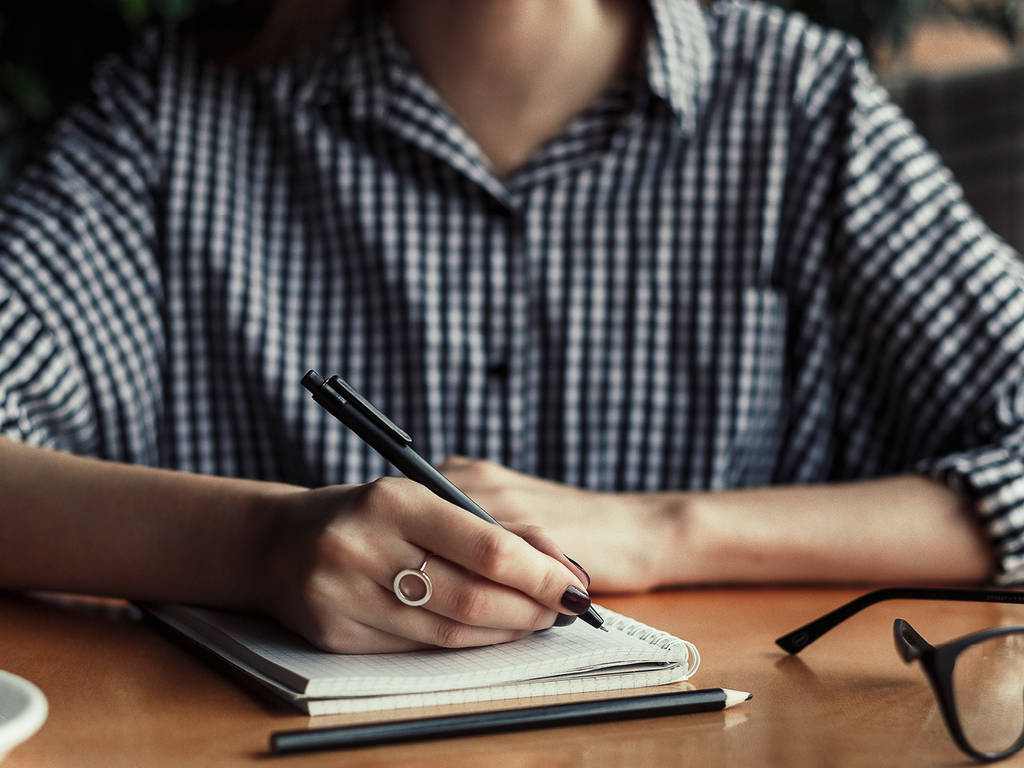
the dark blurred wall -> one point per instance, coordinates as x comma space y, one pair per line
976, 123
47, 51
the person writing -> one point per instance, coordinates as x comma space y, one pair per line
671, 288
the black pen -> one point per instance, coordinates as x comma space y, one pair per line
393, 443
575, 713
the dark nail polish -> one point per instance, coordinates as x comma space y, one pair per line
582, 569
564, 619
575, 599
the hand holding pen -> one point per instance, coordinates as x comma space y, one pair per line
326, 560
395, 445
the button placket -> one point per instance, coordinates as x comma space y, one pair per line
513, 367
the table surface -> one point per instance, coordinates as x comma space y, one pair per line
123, 694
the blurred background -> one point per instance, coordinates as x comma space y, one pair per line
955, 66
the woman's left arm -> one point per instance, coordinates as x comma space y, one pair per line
898, 529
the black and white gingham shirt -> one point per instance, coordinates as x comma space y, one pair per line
740, 268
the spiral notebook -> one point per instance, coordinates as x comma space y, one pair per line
565, 660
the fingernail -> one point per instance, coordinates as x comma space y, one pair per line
564, 619
575, 599
582, 569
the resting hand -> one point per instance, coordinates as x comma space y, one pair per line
621, 539
332, 554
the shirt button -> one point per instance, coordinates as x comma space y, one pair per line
498, 369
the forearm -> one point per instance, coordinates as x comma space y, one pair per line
76, 524
901, 529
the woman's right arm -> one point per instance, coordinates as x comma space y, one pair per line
321, 561
81, 350
86, 525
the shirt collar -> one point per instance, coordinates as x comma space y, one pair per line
678, 60
353, 64
679, 57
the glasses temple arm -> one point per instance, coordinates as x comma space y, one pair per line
798, 639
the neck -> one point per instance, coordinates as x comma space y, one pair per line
515, 72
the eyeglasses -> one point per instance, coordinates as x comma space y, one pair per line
978, 679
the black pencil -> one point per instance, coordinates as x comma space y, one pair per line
576, 713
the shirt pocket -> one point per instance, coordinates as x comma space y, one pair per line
759, 389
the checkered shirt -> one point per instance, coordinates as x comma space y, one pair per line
739, 267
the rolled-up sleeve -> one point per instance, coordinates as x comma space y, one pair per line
81, 338
992, 473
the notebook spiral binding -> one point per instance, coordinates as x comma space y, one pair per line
655, 637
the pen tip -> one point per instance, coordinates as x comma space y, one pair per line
603, 628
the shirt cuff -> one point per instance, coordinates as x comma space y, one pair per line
993, 477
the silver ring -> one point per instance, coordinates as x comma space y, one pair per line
420, 575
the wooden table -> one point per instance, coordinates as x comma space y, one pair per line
121, 694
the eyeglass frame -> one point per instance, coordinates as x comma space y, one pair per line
937, 661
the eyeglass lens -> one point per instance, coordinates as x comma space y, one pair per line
988, 691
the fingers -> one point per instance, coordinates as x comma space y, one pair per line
473, 600
457, 593
455, 616
460, 617
496, 554
352, 636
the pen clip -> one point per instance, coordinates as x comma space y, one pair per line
366, 408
